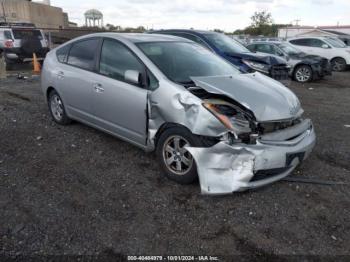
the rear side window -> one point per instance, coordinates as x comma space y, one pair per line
301, 42
192, 38
312, 42
116, 59
265, 48
252, 48
7, 34
62, 53
82, 54
26, 33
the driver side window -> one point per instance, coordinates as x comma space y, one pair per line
116, 59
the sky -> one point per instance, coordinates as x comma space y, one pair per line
227, 15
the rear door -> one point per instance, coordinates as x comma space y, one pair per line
119, 106
75, 77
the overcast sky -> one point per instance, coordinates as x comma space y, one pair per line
227, 15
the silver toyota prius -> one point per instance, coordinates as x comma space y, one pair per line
202, 116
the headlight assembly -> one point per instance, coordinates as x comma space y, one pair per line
257, 66
229, 115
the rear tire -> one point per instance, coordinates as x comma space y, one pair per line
176, 162
338, 64
57, 110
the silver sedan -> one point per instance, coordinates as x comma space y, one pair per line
166, 94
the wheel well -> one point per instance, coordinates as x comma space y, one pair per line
298, 65
162, 128
337, 58
207, 140
48, 91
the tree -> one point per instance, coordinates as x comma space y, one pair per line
260, 19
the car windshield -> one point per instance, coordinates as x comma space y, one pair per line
289, 49
180, 61
225, 44
337, 43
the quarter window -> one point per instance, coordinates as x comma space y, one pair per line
82, 54
62, 53
116, 59
8, 35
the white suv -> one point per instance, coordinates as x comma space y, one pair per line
333, 49
20, 40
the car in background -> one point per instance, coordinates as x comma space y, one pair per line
304, 68
334, 50
234, 52
20, 40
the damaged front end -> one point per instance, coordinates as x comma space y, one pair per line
260, 134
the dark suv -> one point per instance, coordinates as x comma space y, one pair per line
235, 52
20, 40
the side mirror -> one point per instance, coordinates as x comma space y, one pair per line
133, 76
325, 46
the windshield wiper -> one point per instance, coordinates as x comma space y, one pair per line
186, 83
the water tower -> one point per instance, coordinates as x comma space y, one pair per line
93, 18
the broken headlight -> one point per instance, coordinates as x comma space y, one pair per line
229, 115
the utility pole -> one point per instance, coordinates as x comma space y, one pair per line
3, 11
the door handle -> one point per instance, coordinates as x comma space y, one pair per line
98, 88
60, 74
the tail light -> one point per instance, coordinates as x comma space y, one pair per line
8, 43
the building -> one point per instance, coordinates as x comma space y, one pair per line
42, 14
295, 31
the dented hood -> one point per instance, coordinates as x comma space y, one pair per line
268, 99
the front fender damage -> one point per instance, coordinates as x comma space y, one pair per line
184, 109
222, 168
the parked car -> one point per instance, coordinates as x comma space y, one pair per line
20, 40
235, 52
304, 68
198, 112
334, 50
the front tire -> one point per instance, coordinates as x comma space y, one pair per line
303, 74
176, 162
57, 110
338, 64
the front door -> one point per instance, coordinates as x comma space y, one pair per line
119, 107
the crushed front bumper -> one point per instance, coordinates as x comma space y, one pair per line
226, 168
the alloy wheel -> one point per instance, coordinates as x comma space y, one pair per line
303, 74
56, 107
175, 155
338, 65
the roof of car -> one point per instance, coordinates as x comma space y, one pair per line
138, 37
186, 31
267, 42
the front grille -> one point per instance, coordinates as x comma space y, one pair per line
269, 127
279, 72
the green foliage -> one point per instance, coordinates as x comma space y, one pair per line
118, 28
261, 24
260, 19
